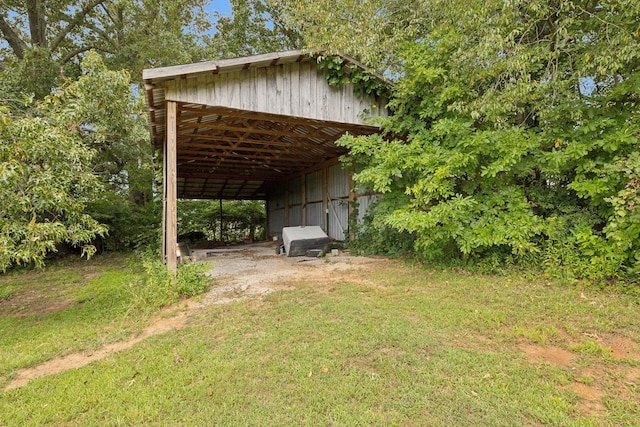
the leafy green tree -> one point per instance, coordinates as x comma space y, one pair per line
255, 27
197, 217
240, 219
109, 118
52, 45
520, 134
93, 124
243, 219
46, 181
45, 40
370, 31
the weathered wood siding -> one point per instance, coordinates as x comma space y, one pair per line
293, 89
338, 202
324, 197
276, 214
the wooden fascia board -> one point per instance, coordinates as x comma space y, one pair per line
156, 75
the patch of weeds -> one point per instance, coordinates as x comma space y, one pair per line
158, 287
6, 292
154, 288
591, 348
191, 279
585, 380
540, 334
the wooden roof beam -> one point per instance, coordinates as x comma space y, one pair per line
241, 161
208, 155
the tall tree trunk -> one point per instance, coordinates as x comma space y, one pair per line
36, 11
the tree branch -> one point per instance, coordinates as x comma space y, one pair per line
74, 23
17, 45
80, 50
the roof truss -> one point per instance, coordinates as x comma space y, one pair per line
232, 153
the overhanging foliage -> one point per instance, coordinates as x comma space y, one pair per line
521, 137
45, 182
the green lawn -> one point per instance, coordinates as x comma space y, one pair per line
70, 306
395, 344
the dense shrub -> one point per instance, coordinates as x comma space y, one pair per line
159, 287
515, 138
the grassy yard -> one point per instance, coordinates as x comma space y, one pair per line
395, 344
70, 306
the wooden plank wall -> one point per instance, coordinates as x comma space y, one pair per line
318, 197
295, 89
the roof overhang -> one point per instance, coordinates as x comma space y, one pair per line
234, 153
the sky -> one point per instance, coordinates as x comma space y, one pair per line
221, 6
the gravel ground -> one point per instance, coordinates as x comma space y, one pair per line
255, 269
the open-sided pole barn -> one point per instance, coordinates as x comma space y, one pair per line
259, 127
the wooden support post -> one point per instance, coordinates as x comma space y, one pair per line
171, 185
352, 200
163, 248
325, 201
303, 199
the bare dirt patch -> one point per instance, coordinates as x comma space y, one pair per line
242, 272
78, 360
554, 355
621, 347
34, 299
590, 395
632, 374
593, 383
590, 403
255, 270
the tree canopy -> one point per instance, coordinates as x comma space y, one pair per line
46, 181
518, 125
46, 39
75, 143
255, 27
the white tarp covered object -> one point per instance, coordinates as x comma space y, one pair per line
298, 240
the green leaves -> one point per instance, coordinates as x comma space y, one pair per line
255, 27
108, 116
87, 137
520, 133
46, 181
339, 73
